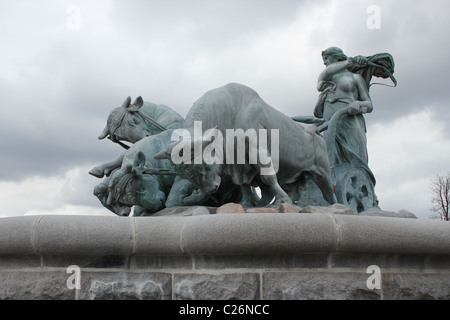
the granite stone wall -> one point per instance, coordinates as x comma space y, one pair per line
251, 256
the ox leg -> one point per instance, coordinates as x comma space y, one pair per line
326, 186
106, 168
185, 193
139, 211
280, 195
266, 195
248, 198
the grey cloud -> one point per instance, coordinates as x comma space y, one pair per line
58, 85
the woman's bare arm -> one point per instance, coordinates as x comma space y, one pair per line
331, 70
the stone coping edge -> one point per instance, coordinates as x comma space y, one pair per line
224, 234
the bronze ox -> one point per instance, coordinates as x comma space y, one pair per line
133, 121
234, 106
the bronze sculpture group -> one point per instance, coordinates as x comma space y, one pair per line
323, 163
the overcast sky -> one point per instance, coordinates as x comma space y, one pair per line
64, 65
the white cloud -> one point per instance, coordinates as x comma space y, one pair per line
72, 210
38, 192
57, 85
405, 154
70, 193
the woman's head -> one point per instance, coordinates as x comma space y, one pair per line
333, 54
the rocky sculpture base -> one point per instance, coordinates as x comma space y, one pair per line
283, 208
195, 255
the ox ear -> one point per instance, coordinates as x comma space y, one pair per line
138, 102
127, 102
139, 163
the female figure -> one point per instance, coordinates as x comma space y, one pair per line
340, 88
344, 98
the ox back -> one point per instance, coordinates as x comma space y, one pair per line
235, 106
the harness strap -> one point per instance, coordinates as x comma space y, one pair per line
160, 127
123, 145
117, 121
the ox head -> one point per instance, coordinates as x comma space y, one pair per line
101, 192
125, 122
198, 168
132, 186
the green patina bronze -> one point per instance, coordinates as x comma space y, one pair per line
336, 143
343, 100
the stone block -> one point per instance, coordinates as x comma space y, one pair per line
262, 262
231, 286
262, 210
35, 285
230, 208
84, 236
288, 208
90, 261
183, 211
410, 286
262, 233
392, 235
333, 209
16, 235
317, 286
224, 256
437, 262
18, 261
383, 260
162, 262
125, 286
282, 208
159, 236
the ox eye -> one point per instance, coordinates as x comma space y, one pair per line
134, 121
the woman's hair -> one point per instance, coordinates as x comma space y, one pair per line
335, 52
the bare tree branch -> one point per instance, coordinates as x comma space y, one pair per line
440, 188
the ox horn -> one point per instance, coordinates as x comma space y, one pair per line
104, 134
